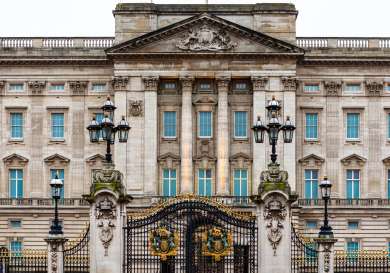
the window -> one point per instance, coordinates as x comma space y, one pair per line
240, 124
352, 247
353, 125
315, 87
169, 182
16, 246
15, 223
16, 87
169, 85
353, 87
16, 125
16, 183
98, 87
311, 224
353, 184
353, 224
311, 126
169, 124
57, 87
61, 175
204, 182
57, 125
240, 182
387, 86
205, 124
240, 86
205, 86
311, 184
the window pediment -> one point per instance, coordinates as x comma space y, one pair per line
93, 160
240, 160
386, 161
353, 159
311, 160
15, 159
56, 159
205, 99
169, 160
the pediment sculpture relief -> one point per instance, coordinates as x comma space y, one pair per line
206, 38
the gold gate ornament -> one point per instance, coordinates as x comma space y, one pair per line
216, 243
163, 243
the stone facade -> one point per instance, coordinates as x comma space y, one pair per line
189, 59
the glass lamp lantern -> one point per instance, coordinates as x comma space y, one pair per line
326, 187
123, 130
273, 108
259, 130
94, 130
109, 108
288, 131
107, 127
273, 129
56, 186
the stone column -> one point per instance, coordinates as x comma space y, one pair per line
258, 149
150, 135
274, 201
223, 136
108, 201
325, 254
55, 255
187, 184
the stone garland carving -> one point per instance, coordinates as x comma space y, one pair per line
374, 88
206, 38
274, 214
54, 261
289, 83
135, 108
78, 87
36, 87
327, 261
333, 88
119, 82
259, 83
150, 83
105, 213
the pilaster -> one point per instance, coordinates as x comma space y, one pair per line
223, 136
55, 254
187, 185
325, 254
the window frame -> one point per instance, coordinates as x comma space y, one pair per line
94, 84
353, 180
11, 126
201, 81
306, 126
235, 82
163, 124
16, 239
306, 91
349, 222
11, 90
17, 180
349, 84
246, 125
205, 179
359, 127
211, 125
240, 182
313, 221
52, 125
15, 220
388, 183
311, 183
170, 180
57, 84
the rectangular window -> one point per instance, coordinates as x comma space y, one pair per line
240, 86
57, 87
387, 87
168, 85
353, 184
353, 87
57, 125
16, 125
311, 126
16, 183
204, 182
240, 124
16, 246
315, 87
205, 86
353, 125
169, 124
169, 182
311, 224
352, 247
98, 87
353, 225
15, 223
16, 87
240, 183
205, 125
311, 184
61, 175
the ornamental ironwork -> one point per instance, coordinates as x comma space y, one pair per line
216, 243
163, 243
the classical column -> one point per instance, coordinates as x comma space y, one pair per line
258, 149
187, 183
325, 254
150, 135
223, 136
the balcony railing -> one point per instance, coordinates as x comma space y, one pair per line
42, 202
343, 42
372, 202
56, 42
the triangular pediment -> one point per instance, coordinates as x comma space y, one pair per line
56, 158
240, 156
204, 33
170, 156
353, 159
311, 157
386, 161
95, 158
15, 158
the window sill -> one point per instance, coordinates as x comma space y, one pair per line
15, 140
57, 141
312, 141
240, 140
169, 139
352, 141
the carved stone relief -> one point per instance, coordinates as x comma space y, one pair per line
187, 82
119, 82
106, 176
136, 108
150, 83
78, 87
54, 261
206, 38
36, 87
289, 83
259, 83
274, 215
105, 214
374, 88
273, 174
333, 88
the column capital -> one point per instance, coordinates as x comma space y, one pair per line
289, 83
78, 87
223, 82
333, 88
187, 81
119, 82
36, 87
2, 84
259, 82
150, 83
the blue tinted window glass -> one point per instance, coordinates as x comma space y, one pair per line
16, 125
240, 124
16, 183
205, 124
169, 124
204, 182
311, 184
57, 125
353, 125
311, 126
169, 182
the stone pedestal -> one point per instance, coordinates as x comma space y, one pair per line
108, 201
55, 255
273, 201
325, 254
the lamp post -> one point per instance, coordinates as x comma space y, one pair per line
107, 129
273, 128
326, 230
56, 186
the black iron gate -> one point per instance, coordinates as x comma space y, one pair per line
190, 235
304, 257
76, 255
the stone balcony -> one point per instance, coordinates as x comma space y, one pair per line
343, 42
346, 203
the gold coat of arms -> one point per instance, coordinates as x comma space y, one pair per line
216, 243
163, 243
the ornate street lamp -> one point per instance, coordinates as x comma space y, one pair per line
326, 187
56, 186
107, 129
273, 128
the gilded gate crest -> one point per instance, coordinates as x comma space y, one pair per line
216, 243
163, 242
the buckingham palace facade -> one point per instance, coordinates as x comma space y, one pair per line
191, 80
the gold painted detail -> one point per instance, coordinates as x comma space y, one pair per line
342, 254
163, 203
75, 241
216, 243
28, 253
163, 242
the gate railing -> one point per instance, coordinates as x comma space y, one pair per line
362, 261
76, 255
25, 261
304, 257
